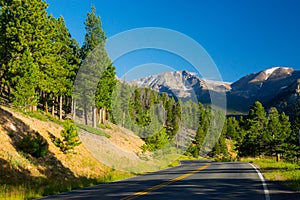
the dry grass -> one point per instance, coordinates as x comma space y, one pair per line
100, 158
24, 177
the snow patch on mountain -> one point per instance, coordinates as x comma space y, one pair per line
270, 71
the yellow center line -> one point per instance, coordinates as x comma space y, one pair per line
165, 183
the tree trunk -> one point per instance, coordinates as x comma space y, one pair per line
45, 102
104, 115
46, 106
34, 108
123, 119
100, 116
73, 108
60, 107
85, 113
94, 116
53, 101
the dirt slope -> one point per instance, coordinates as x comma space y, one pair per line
14, 126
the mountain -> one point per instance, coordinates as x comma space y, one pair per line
288, 100
183, 85
262, 86
265, 86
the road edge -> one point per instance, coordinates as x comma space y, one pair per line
264, 184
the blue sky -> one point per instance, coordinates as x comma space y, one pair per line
241, 36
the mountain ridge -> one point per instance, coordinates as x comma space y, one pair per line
261, 86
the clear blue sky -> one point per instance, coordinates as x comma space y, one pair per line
241, 36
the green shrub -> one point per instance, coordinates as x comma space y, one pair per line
34, 144
70, 137
157, 141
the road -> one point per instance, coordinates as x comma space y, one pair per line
190, 180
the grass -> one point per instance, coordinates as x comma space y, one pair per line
25, 177
90, 129
36, 188
42, 116
48, 117
287, 173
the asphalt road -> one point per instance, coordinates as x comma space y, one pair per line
191, 180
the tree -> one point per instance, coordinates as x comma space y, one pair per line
24, 32
203, 127
278, 130
255, 125
220, 148
282, 137
54, 76
97, 77
292, 147
232, 129
105, 88
36, 55
68, 60
70, 137
157, 141
25, 96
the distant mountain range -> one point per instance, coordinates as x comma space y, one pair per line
277, 86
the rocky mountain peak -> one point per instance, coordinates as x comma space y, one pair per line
258, 79
182, 84
275, 82
273, 73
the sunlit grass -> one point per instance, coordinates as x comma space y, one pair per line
288, 173
92, 130
39, 188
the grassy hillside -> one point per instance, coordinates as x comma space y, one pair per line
25, 177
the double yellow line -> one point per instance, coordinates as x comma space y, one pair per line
156, 187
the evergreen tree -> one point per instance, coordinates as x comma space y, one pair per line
24, 94
232, 129
96, 79
36, 54
24, 27
157, 141
55, 80
70, 137
292, 147
285, 132
68, 60
255, 126
203, 126
278, 129
220, 148
103, 95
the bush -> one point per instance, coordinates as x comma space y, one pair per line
70, 137
34, 144
157, 141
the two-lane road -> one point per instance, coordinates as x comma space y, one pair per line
191, 180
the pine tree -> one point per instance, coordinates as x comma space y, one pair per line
273, 132
24, 27
255, 126
68, 60
292, 146
203, 127
232, 129
105, 88
54, 76
25, 96
70, 137
97, 78
283, 135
